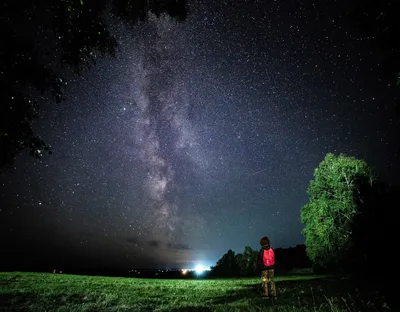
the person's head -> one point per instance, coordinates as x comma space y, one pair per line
264, 241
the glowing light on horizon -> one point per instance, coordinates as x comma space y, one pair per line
200, 269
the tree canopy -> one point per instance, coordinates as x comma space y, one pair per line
43, 38
336, 199
246, 262
241, 264
226, 266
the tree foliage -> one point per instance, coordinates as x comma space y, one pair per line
246, 262
40, 39
336, 198
241, 264
226, 266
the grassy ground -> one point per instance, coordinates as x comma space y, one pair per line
62, 292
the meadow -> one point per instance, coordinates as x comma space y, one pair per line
22, 291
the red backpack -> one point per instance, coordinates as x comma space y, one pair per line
268, 257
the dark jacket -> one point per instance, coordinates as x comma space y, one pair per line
261, 265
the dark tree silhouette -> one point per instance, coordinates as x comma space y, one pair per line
292, 258
43, 38
226, 266
246, 262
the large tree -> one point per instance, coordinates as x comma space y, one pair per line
337, 196
43, 38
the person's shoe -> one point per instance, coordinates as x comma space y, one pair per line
264, 297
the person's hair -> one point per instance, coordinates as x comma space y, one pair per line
264, 241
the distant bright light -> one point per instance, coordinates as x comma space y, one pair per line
200, 269
184, 271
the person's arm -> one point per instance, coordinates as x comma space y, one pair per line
259, 259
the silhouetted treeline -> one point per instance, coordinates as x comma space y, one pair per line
246, 264
292, 258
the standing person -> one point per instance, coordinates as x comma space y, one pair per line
266, 261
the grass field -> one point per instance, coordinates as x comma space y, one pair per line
20, 291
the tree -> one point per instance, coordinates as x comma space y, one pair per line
336, 201
292, 257
226, 266
40, 40
246, 262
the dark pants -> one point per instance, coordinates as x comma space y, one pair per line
267, 278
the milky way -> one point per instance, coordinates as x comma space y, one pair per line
158, 114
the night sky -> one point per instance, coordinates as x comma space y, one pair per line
198, 137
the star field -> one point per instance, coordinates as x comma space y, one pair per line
199, 137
